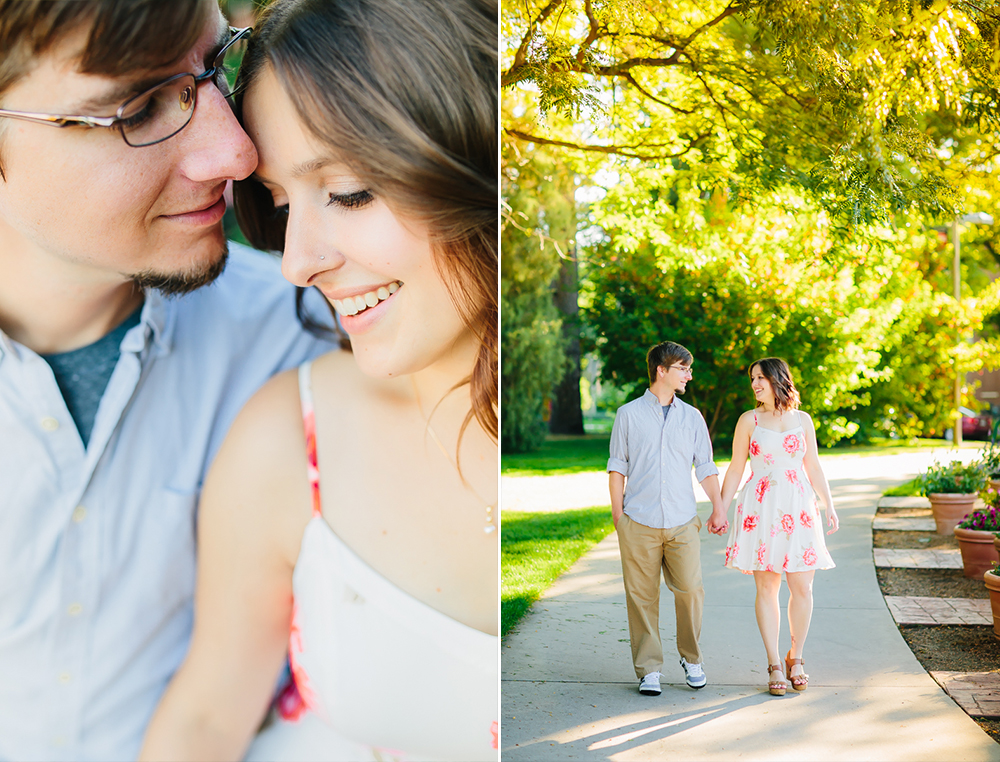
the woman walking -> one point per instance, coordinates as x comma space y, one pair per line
777, 527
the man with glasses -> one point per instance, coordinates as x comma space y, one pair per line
655, 441
119, 375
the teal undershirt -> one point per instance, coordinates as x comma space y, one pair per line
83, 374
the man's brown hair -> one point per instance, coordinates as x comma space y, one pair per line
666, 353
126, 36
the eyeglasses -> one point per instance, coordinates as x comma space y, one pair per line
163, 110
685, 370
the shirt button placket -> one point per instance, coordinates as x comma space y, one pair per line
72, 626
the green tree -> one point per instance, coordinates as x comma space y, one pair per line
873, 348
686, 117
531, 339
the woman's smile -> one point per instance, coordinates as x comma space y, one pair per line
355, 303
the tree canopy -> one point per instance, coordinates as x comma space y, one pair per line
765, 177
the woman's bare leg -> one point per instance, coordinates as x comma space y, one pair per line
800, 607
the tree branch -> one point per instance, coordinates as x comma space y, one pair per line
730, 9
592, 35
543, 15
631, 80
631, 151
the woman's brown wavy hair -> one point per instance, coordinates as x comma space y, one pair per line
404, 92
777, 372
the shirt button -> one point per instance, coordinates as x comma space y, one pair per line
79, 514
65, 677
49, 424
74, 609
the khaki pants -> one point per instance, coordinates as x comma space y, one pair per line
644, 552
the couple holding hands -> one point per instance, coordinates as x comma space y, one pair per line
777, 529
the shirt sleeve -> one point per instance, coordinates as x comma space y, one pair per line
704, 466
619, 444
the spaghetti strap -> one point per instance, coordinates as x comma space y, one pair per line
309, 424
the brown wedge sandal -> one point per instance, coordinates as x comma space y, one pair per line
776, 687
799, 682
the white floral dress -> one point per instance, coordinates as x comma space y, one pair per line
778, 525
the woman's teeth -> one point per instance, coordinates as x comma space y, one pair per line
352, 305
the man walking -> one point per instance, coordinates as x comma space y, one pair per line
119, 374
655, 441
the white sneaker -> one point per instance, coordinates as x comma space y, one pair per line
694, 674
650, 684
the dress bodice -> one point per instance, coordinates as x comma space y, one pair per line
384, 668
776, 450
386, 671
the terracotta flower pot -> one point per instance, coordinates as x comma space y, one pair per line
978, 551
993, 585
995, 483
949, 509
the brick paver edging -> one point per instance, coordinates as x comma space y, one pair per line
978, 693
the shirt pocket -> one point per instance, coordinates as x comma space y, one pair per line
680, 440
174, 554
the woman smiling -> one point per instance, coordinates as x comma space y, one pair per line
349, 519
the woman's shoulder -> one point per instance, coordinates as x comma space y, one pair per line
266, 447
259, 478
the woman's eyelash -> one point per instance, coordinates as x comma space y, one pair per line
354, 200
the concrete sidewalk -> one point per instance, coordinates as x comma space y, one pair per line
569, 691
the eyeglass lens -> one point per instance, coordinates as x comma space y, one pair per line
163, 111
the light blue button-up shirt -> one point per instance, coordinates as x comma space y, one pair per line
97, 546
656, 456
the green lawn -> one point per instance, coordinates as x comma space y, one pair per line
907, 489
560, 455
572, 455
537, 547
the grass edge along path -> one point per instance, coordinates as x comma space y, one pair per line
536, 547
576, 454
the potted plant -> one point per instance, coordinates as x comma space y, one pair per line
952, 489
976, 533
992, 580
990, 460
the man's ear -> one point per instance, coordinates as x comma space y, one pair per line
660, 371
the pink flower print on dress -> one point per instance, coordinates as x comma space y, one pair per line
769, 567
784, 565
289, 704
754, 448
495, 730
761, 554
768, 459
732, 551
806, 520
762, 487
792, 476
809, 557
750, 522
787, 523
292, 708
791, 444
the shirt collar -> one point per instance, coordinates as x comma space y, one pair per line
653, 400
156, 325
7, 347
